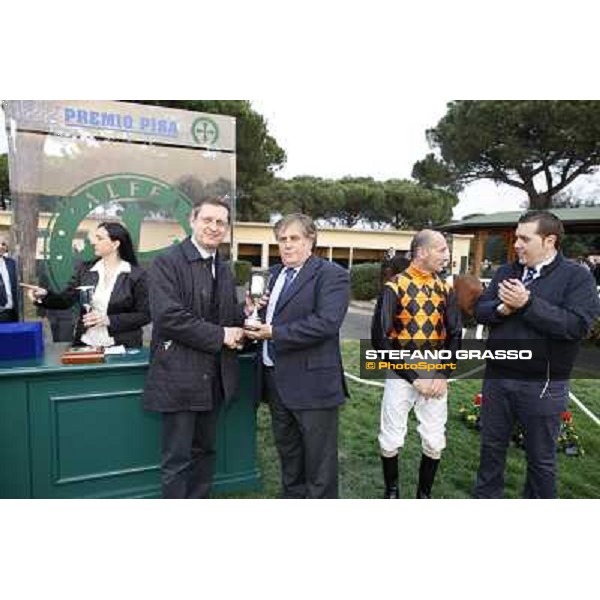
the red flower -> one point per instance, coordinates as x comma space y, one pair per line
566, 416
477, 399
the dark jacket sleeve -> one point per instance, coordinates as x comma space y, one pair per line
175, 320
139, 315
240, 312
389, 303
324, 321
485, 309
574, 318
69, 295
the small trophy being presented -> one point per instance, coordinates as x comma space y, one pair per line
259, 283
86, 295
84, 354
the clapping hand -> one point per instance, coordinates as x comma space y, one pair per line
513, 293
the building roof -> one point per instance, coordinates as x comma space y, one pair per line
582, 219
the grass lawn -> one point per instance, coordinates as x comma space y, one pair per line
360, 468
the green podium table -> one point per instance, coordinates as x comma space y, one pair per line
80, 431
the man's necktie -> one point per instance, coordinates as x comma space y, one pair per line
529, 274
208, 263
212, 282
3, 294
289, 277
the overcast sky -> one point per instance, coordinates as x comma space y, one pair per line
330, 137
334, 138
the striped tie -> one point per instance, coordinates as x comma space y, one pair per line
529, 274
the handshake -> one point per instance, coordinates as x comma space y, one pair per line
253, 329
235, 336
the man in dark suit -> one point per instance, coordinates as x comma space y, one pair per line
545, 304
300, 364
194, 367
9, 309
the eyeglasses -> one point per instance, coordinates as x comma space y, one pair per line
216, 222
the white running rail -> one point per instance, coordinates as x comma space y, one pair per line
584, 409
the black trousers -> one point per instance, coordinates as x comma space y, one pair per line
537, 407
189, 447
306, 442
8, 316
60, 325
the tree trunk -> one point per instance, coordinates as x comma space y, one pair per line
540, 201
24, 234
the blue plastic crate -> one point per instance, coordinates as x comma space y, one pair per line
21, 340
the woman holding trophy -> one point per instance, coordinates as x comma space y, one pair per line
111, 290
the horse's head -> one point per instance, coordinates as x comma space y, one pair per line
467, 289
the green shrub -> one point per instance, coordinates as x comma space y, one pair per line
241, 271
365, 280
595, 332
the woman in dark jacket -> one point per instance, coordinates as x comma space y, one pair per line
119, 292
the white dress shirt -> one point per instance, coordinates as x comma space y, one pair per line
275, 293
98, 335
538, 268
205, 254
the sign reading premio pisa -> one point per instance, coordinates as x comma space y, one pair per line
85, 162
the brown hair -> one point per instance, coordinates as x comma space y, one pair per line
214, 201
308, 225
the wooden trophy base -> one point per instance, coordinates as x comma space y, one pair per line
82, 355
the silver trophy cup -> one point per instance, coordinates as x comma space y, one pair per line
86, 296
258, 286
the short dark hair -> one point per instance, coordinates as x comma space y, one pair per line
308, 225
214, 201
399, 263
547, 224
393, 266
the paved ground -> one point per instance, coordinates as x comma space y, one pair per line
357, 324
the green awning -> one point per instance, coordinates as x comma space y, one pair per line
583, 219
